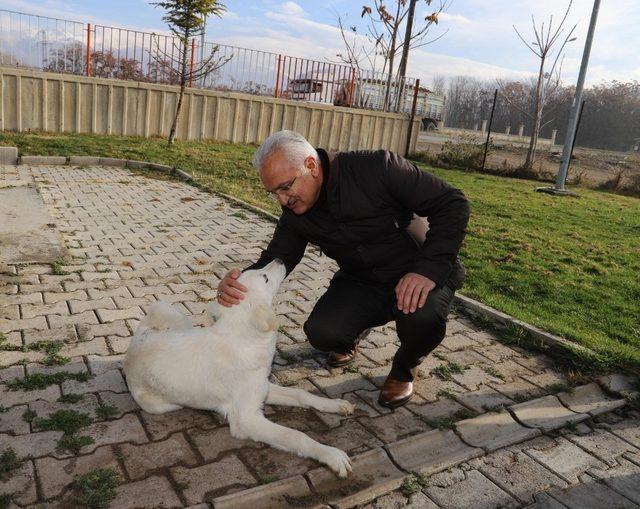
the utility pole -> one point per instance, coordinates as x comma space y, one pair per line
575, 109
202, 37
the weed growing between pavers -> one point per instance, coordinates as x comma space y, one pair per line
68, 421
9, 463
70, 398
43, 380
413, 483
3, 409
559, 387
266, 479
50, 348
73, 443
106, 411
449, 422
29, 415
56, 268
96, 489
445, 371
491, 370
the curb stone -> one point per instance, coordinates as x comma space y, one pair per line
43, 160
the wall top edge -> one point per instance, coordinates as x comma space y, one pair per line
73, 78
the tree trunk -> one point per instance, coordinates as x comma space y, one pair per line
404, 59
537, 117
183, 84
392, 53
402, 68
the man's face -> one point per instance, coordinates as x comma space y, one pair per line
294, 186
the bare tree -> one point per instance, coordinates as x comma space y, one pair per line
384, 29
185, 20
542, 47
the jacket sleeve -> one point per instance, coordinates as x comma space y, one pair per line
445, 207
286, 244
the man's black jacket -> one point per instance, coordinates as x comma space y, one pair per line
367, 200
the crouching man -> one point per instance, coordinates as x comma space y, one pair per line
356, 207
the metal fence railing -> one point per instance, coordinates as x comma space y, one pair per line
58, 45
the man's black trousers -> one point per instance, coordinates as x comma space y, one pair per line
351, 305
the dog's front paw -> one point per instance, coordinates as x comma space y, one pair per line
337, 460
343, 407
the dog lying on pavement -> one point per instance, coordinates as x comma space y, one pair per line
225, 367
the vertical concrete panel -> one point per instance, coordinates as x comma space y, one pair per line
44, 103
155, 97
227, 108
2, 96
18, 103
261, 122
69, 106
246, 120
9, 103
210, 117
170, 102
32, 105
86, 107
102, 100
117, 109
302, 121
94, 107
203, 116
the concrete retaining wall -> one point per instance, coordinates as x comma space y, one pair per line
34, 100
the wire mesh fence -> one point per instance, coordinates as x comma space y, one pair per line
58, 45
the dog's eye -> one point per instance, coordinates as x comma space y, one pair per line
266, 279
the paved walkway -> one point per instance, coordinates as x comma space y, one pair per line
132, 240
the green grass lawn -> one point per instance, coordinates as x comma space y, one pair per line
568, 265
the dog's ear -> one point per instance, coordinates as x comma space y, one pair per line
264, 319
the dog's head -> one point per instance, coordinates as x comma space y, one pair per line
262, 286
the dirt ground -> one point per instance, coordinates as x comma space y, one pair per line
588, 166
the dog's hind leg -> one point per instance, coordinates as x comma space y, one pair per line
153, 404
252, 424
290, 396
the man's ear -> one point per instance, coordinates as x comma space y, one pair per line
264, 319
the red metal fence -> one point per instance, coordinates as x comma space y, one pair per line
58, 45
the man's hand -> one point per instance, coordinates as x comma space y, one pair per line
412, 291
230, 292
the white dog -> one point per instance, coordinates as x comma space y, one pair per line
225, 367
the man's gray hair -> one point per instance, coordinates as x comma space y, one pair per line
293, 145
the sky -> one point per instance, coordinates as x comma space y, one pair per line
480, 40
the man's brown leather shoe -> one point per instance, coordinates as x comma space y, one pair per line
339, 359
395, 393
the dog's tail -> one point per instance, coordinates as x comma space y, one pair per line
162, 316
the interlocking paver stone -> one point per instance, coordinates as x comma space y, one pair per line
492, 431
604, 445
373, 474
152, 493
546, 413
201, 483
55, 474
432, 451
518, 474
283, 494
564, 458
471, 490
141, 459
592, 495
590, 399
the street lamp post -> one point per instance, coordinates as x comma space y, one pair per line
559, 188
